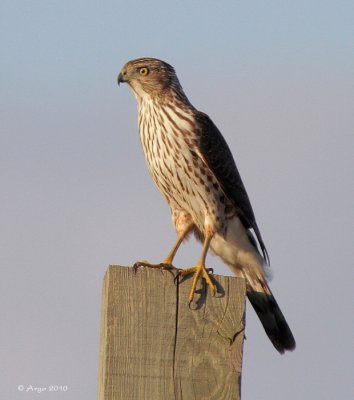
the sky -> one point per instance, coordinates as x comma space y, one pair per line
276, 77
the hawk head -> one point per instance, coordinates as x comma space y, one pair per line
149, 76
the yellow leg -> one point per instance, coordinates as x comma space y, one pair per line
167, 262
200, 271
171, 255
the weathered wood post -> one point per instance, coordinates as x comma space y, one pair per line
154, 347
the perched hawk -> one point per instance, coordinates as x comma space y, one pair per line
192, 166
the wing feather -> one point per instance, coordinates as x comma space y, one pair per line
217, 156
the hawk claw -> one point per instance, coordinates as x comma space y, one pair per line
167, 267
199, 271
162, 266
136, 266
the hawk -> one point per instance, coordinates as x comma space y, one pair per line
192, 166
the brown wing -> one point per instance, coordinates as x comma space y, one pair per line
218, 157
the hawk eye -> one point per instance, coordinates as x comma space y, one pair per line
143, 71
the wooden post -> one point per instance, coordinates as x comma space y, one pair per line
154, 347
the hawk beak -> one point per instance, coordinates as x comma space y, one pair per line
121, 78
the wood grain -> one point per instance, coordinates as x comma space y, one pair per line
153, 346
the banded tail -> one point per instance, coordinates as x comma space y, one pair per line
272, 318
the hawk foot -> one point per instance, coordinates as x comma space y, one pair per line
199, 271
145, 264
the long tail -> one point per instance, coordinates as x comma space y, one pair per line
271, 317
240, 253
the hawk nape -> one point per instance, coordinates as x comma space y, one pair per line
192, 166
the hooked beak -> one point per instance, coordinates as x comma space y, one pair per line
121, 77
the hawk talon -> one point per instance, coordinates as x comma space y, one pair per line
190, 302
161, 266
136, 266
139, 264
199, 271
167, 267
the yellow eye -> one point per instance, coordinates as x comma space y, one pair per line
143, 71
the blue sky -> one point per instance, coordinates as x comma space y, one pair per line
277, 79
